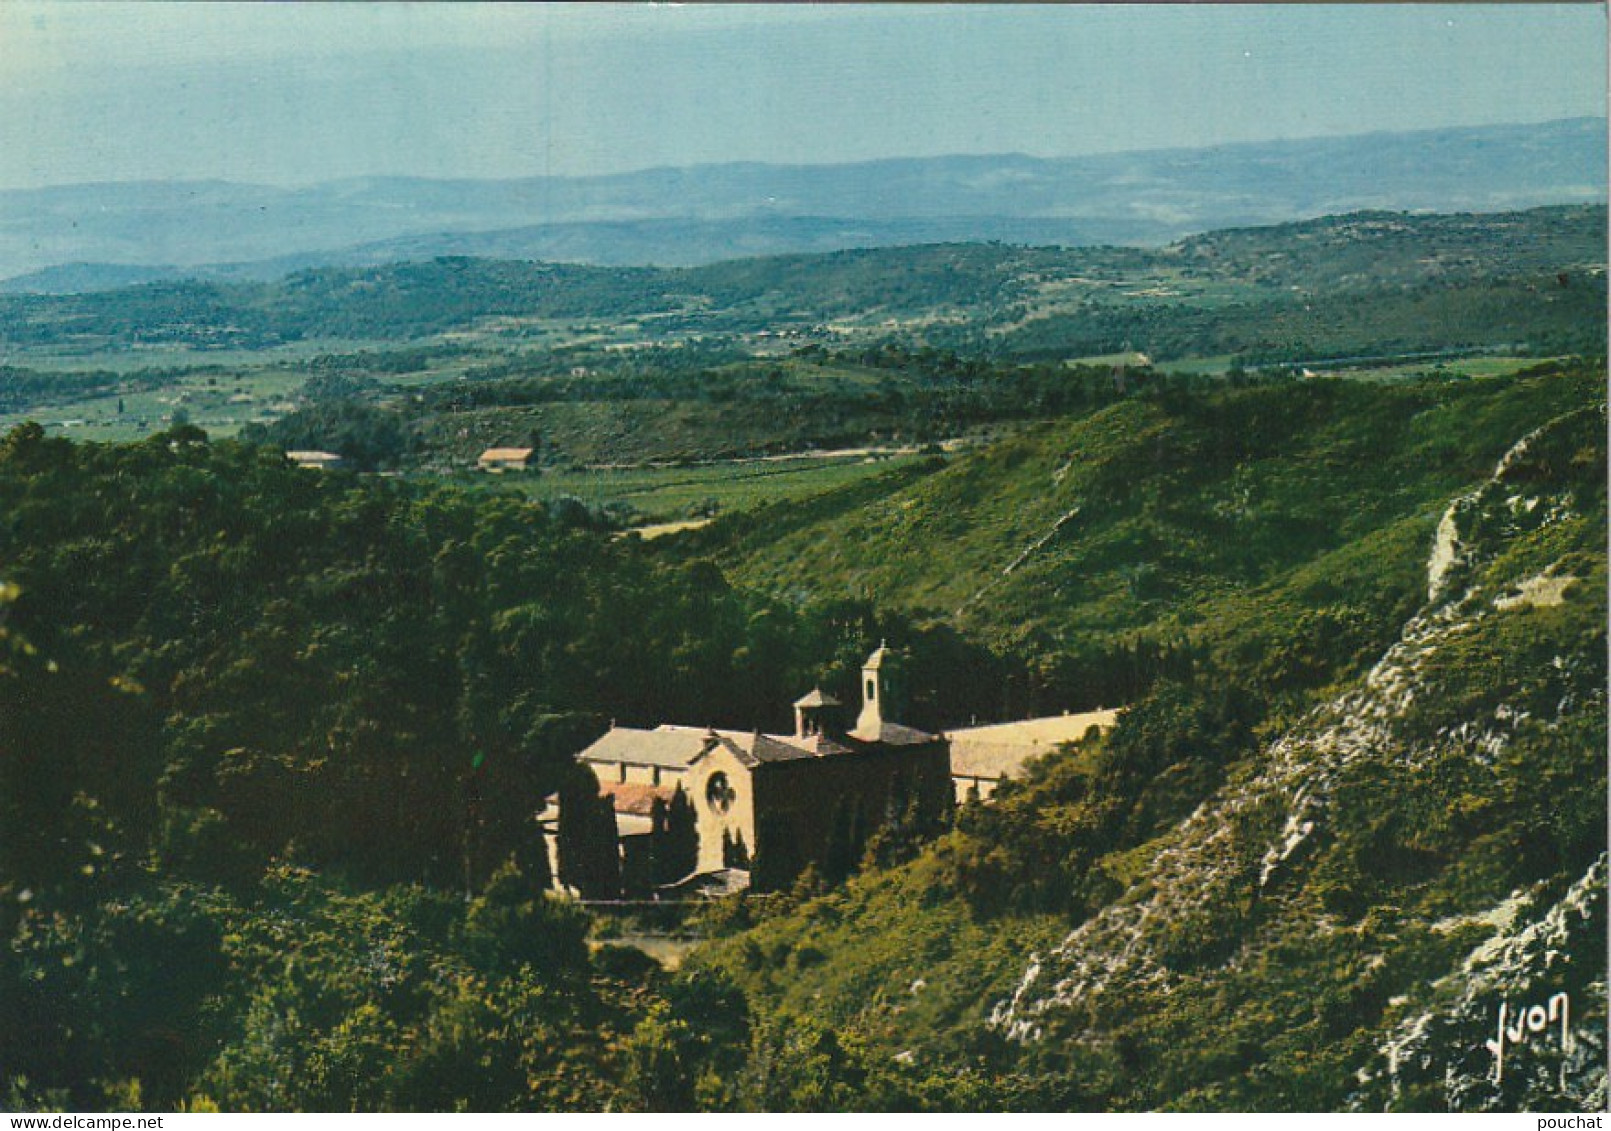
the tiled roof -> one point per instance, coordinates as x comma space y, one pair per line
766, 748
820, 745
893, 734
668, 747
753, 748
634, 797
503, 454
816, 697
677, 747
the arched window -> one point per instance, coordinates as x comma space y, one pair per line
719, 792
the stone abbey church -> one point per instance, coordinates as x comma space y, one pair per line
764, 806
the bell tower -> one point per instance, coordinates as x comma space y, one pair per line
811, 712
870, 723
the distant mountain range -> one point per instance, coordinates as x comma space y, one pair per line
93, 237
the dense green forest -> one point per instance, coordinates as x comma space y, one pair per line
267, 730
358, 669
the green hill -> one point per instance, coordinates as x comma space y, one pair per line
1302, 874
1542, 270
1159, 517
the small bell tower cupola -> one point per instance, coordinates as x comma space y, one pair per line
811, 712
870, 723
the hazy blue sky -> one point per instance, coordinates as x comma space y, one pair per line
291, 94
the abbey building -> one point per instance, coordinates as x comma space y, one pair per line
767, 805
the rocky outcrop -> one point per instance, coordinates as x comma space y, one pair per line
1241, 864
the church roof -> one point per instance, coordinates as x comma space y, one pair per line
816, 697
893, 734
754, 749
821, 745
667, 747
675, 747
765, 748
876, 660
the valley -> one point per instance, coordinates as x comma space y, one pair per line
603, 369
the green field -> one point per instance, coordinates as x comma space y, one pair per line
1128, 358
1219, 363
219, 402
219, 390
131, 359
1452, 367
666, 494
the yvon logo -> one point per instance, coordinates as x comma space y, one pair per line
1520, 1026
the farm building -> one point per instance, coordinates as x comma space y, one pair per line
505, 459
321, 461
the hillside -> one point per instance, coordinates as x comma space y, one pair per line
1245, 899
1156, 514
695, 215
